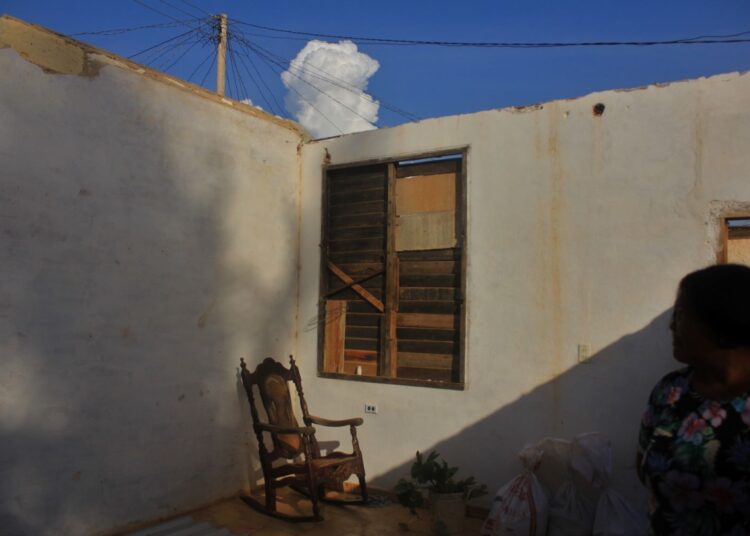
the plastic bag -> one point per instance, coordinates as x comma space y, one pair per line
520, 507
591, 457
570, 514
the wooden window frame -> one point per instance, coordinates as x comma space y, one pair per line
462, 241
721, 255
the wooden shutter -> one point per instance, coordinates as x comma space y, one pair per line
429, 243
354, 249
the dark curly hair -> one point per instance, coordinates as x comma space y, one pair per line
719, 296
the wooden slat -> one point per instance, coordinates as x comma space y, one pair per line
390, 344
362, 332
426, 374
429, 267
427, 347
429, 168
450, 254
360, 355
354, 233
367, 244
368, 206
417, 320
355, 258
362, 268
335, 328
426, 334
372, 300
427, 361
350, 296
363, 319
360, 306
429, 294
352, 343
357, 220
356, 173
362, 183
431, 307
443, 281
356, 196
374, 285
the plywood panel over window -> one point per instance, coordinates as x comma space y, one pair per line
392, 295
735, 247
738, 241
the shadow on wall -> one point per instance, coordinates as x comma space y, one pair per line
116, 383
607, 394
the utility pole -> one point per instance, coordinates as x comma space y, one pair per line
221, 55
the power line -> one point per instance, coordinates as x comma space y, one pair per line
324, 116
338, 82
719, 39
177, 8
116, 31
141, 3
262, 93
184, 53
355, 112
210, 53
169, 48
195, 7
203, 80
160, 44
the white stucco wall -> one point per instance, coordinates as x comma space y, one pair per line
579, 228
148, 238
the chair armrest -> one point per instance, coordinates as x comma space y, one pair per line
272, 428
356, 421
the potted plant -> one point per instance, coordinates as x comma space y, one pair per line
447, 497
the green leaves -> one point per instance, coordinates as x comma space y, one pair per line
433, 473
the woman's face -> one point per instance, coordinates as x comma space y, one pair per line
691, 340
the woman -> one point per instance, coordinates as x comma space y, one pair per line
694, 447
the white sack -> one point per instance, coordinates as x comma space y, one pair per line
570, 514
521, 506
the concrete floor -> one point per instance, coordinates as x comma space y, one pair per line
381, 518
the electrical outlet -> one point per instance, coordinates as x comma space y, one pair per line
371, 408
584, 352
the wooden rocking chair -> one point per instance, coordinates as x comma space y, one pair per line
305, 468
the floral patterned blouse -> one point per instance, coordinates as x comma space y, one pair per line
696, 460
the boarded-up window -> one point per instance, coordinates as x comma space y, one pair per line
738, 240
392, 293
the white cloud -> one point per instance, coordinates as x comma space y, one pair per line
339, 104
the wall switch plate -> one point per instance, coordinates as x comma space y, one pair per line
371, 408
584, 352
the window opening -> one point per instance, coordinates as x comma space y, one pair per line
393, 256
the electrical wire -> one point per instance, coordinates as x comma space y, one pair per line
160, 44
185, 52
177, 8
343, 84
168, 49
730, 38
195, 7
211, 66
141, 3
324, 116
201, 64
116, 31
279, 110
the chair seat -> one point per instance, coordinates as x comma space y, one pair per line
333, 459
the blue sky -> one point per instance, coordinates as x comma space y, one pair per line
430, 81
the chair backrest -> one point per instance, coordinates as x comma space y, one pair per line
272, 380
